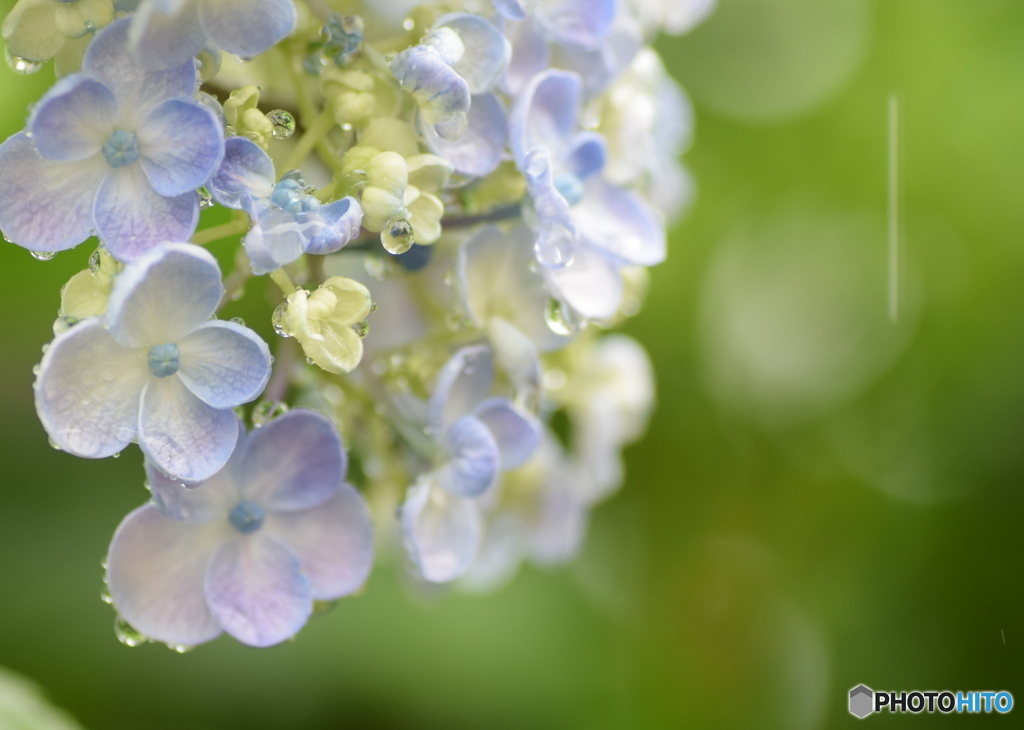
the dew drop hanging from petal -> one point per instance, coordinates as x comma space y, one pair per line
21, 65
284, 123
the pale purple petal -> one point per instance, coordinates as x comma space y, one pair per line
165, 37
276, 238
246, 171
333, 542
587, 155
136, 88
516, 434
337, 223
441, 532
32, 188
74, 119
472, 458
195, 503
164, 295
581, 22
155, 572
181, 144
87, 392
487, 52
247, 27
463, 382
293, 463
442, 94
600, 65
620, 223
181, 435
557, 238
514, 9
256, 591
131, 217
530, 55
591, 285
545, 115
223, 363
479, 150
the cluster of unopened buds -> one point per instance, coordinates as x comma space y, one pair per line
493, 177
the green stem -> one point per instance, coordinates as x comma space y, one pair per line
215, 233
283, 281
309, 139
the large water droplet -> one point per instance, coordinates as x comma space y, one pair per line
43, 255
22, 65
397, 236
558, 318
361, 328
284, 123
266, 411
280, 320
205, 199
128, 634
556, 246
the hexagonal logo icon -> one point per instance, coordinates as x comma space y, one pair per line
862, 701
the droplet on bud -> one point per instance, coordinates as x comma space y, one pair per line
396, 236
280, 320
558, 318
284, 123
266, 411
361, 328
22, 65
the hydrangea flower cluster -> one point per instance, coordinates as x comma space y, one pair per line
471, 202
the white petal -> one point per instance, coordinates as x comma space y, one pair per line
441, 532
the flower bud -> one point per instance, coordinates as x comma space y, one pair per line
323, 321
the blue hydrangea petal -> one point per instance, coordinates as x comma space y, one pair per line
245, 171
544, 116
247, 27
137, 89
487, 51
515, 9
32, 188
255, 589
337, 224
131, 217
479, 151
442, 94
516, 434
293, 463
620, 223
472, 458
196, 503
495, 276
580, 22
73, 119
333, 542
155, 572
224, 363
463, 382
556, 241
163, 295
601, 65
591, 284
181, 435
181, 144
440, 532
587, 155
530, 55
165, 35
276, 238
87, 392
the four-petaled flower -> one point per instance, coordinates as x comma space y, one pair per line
249, 550
287, 220
154, 368
113, 150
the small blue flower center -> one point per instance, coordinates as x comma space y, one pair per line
163, 360
121, 149
246, 517
570, 186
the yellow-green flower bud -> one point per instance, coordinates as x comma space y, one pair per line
37, 30
323, 321
87, 292
77, 18
242, 115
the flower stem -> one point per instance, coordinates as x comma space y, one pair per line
283, 281
232, 228
310, 138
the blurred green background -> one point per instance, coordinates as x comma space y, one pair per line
826, 496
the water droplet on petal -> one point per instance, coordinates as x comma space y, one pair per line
244, 59
310, 361
205, 199
397, 236
105, 595
558, 318
361, 328
280, 320
116, 456
94, 261
180, 648
266, 411
22, 65
43, 255
128, 634
239, 321
54, 445
284, 123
